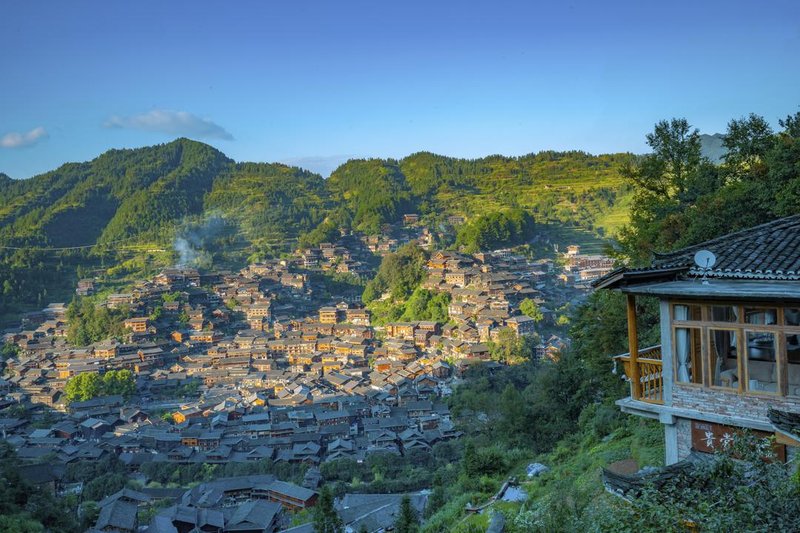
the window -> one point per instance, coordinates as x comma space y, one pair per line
724, 358
686, 312
761, 316
792, 316
724, 313
688, 355
762, 365
746, 348
792, 342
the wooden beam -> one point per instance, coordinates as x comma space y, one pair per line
786, 438
633, 348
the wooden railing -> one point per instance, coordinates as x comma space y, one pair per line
651, 380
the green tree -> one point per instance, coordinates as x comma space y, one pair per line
82, 387
512, 348
88, 323
427, 305
496, 229
20, 523
737, 490
399, 274
675, 156
513, 416
326, 519
407, 519
8, 350
121, 382
88, 385
531, 309
747, 142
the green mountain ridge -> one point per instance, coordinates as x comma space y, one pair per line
131, 204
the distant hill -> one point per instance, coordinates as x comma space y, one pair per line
129, 207
711, 147
570, 187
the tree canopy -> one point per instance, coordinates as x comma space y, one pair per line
88, 385
681, 198
399, 273
326, 519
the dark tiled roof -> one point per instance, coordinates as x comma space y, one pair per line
631, 485
252, 515
785, 422
769, 251
117, 516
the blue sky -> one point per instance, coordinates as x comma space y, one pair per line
315, 83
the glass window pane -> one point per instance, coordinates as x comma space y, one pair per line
793, 353
760, 316
724, 313
724, 367
792, 316
793, 347
687, 355
762, 369
686, 312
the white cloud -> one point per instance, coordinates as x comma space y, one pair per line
172, 123
18, 140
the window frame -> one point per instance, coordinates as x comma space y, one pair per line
780, 330
701, 359
732, 327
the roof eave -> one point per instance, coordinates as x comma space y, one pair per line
623, 277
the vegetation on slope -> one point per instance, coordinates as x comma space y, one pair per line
27, 509
681, 199
495, 230
564, 410
129, 209
398, 275
88, 385
89, 323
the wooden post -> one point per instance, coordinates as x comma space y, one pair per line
633, 348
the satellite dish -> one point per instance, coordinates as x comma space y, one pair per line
705, 259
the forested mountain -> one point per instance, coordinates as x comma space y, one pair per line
133, 204
558, 186
125, 209
122, 193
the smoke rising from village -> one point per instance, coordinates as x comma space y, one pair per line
192, 241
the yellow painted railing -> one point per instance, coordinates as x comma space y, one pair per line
651, 380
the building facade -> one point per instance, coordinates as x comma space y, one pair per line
729, 358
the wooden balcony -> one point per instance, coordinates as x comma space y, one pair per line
650, 379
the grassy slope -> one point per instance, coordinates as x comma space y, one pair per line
573, 480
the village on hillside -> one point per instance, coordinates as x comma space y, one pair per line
268, 364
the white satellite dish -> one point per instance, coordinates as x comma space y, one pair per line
705, 259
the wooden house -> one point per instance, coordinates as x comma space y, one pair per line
729, 357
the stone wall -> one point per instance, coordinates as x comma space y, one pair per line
725, 403
684, 430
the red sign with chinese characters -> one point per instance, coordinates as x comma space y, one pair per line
708, 437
